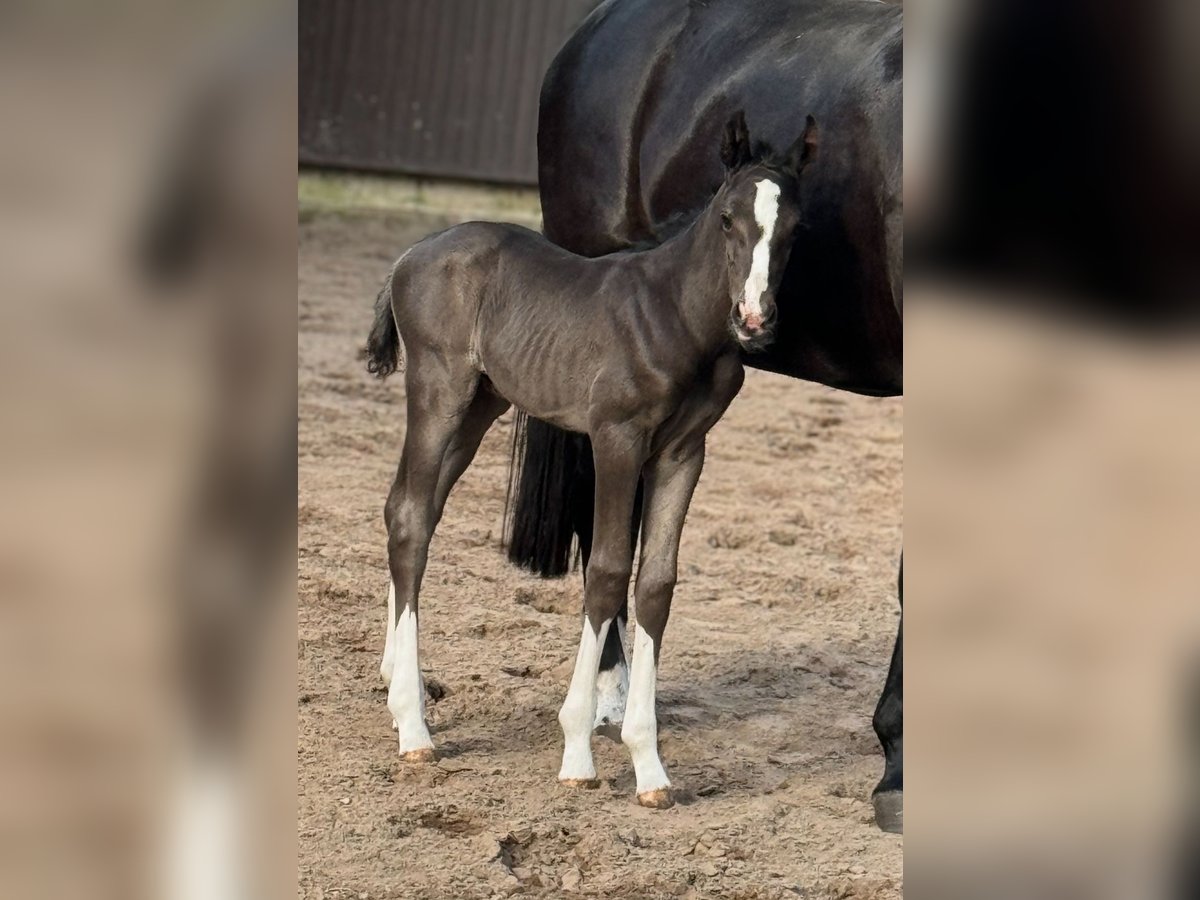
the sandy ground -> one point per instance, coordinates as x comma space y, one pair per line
776, 651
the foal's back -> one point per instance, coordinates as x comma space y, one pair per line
537, 320
482, 269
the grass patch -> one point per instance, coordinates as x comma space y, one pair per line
320, 192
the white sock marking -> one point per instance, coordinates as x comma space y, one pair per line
388, 663
640, 731
766, 210
612, 689
406, 692
578, 713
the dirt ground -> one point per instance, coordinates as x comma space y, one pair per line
774, 658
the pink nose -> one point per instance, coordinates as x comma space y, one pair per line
752, 320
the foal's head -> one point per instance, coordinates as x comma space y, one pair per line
759, 209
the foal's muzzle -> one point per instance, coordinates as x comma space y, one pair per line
753, 330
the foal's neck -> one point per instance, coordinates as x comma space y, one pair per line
697, 281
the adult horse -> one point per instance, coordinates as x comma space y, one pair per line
630, 110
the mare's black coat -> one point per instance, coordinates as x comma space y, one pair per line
630, 111
635, 101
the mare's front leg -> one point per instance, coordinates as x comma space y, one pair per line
619, 455
670, 481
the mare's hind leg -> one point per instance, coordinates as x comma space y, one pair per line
670, 480
888, 796
439, 400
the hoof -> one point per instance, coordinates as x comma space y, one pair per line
659, 799
889, 811
424, 755
589, 783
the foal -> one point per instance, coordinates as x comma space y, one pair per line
637, 350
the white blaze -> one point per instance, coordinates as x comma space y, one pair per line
406, 694
640, 731
578, 713
766, 209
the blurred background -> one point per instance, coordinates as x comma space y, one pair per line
1052, 496
147, 322
147, 344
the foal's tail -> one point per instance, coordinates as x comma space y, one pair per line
383, 344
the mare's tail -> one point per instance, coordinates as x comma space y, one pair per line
549, 496
383, 344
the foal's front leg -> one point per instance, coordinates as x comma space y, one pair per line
618, 462
670, 480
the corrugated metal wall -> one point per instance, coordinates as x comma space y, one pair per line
428, 87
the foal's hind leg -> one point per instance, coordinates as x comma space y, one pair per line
618, 461
484, 410
670, 480
612, 686
438, 404
481, 414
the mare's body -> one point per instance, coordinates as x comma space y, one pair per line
628, 109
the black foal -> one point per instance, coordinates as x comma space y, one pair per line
637, 350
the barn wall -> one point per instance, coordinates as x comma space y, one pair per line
428, 87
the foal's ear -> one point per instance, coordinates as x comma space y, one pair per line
804, 150
735, 142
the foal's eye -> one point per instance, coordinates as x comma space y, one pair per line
726, 221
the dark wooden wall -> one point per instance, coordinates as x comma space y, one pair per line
428, 87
